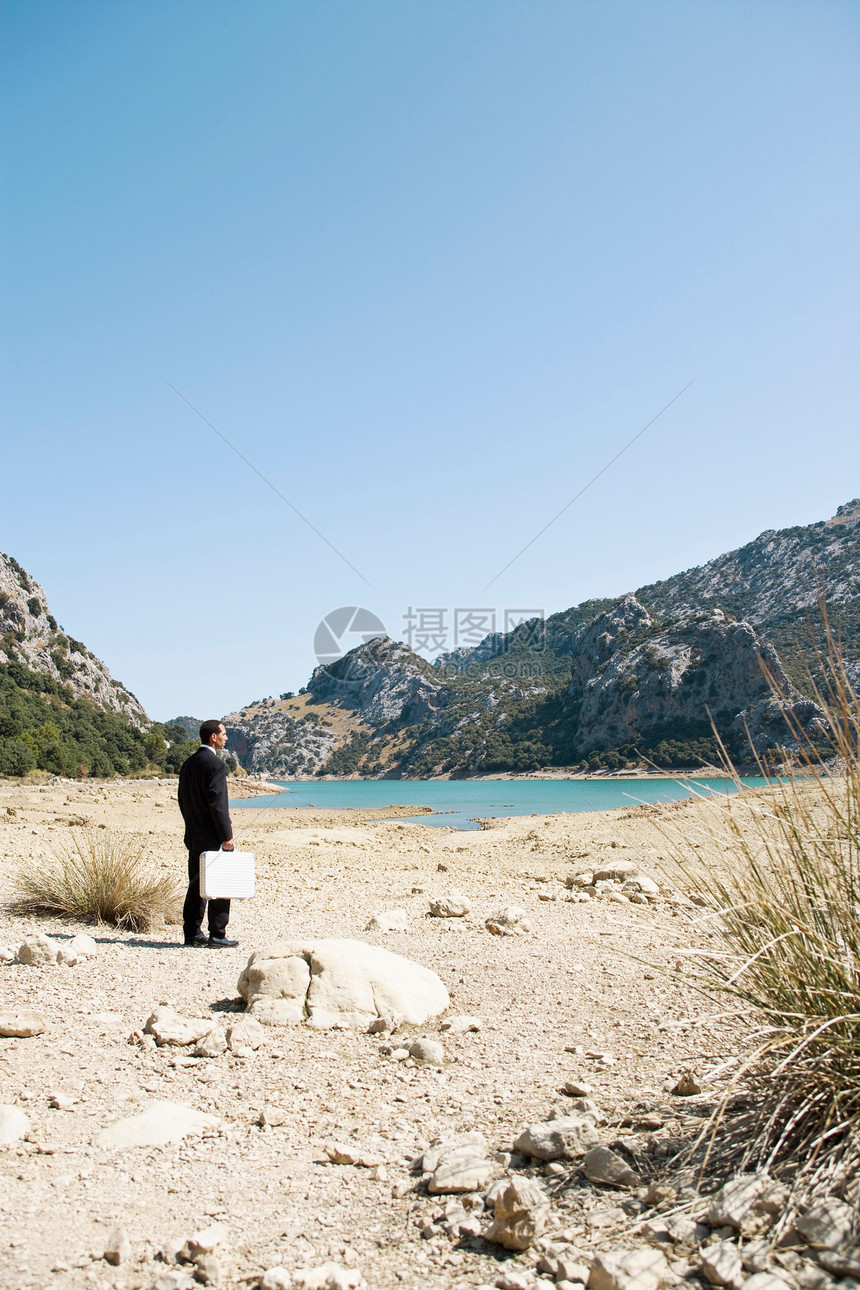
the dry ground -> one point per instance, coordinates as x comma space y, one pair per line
571, 983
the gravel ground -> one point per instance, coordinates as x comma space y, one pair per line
577, 982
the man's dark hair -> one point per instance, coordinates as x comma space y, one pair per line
208, 729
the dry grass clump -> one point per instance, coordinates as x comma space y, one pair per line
101, 876
785, 942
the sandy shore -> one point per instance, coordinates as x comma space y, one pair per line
571, 984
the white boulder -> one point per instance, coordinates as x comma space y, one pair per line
338, 983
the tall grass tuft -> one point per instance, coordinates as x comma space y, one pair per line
100, 876
785, 942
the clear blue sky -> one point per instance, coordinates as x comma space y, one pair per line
429, 266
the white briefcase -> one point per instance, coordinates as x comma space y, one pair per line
227, 875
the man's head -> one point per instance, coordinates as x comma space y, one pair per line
213, 734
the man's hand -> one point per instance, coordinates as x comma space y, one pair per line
228, 846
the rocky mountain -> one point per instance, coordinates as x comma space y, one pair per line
29, 634
608, 683
61, 711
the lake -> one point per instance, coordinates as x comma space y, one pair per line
459, 801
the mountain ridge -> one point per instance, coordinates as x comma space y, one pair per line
688, 647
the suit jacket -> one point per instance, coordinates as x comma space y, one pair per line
203, 801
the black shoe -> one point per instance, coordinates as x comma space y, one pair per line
199, 939
221, 943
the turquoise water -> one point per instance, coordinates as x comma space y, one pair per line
459, 801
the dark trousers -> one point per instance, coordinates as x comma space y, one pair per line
194, 909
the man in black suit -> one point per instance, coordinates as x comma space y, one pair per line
203, 803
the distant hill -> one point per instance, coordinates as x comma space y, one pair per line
191, 726
615, 680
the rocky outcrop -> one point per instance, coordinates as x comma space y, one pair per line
631, 675
271, 741
383, 681
29, 635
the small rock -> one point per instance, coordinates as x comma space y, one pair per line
510, 921
61, 1102
393, 920
118, 1248
766, 1281
14, 1125
7, 954
427, 1050
578, 1088
454, 905
826, 1224
83, 946
460, 1025
387, 1025
277, 1278
21, 1023
213, 1044
329, 1276
273, 1116
687, 1086
38, 950
340, 1154
686, 1231
641, 884
205, 1241
520, 1214
161, 1122
459, 1164
615, 871
515, 1281
245, 1033
659, 1194
721, 1265
842, 1263
619, 1269
809, 1276
169, 1029
208, 1269
735, 1199
173, 1281
606, 1167
568, 1137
